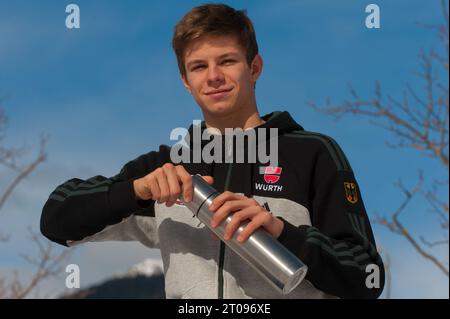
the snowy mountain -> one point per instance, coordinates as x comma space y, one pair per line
148, 267
144, 280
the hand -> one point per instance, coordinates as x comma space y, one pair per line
165, 185
244, 208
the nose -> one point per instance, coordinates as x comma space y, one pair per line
215, 75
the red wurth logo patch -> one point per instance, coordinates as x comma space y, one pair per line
272, 174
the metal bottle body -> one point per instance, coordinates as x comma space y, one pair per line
267, 256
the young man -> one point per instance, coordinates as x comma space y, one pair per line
310, 202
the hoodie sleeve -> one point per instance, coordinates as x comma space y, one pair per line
102, 208
339, 248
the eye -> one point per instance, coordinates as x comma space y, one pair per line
197, 67
228, 61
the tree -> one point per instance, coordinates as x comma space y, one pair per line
47, 262
419, 121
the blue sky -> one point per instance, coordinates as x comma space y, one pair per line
110, 91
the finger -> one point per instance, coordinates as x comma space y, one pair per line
259, 220
238, 218
174, 184
142, 188
154, 187
208, 179
230, 206
186, 182
222, 198
163, 185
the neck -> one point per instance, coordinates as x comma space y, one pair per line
244, 120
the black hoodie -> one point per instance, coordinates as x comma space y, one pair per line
312, 190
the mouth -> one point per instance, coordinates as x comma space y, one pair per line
218, 94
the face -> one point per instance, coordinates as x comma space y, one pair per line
219, 77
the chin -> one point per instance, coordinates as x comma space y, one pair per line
220, 108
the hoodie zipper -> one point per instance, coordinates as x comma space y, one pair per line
222, 244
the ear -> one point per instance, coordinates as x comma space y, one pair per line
185, 83
256, 67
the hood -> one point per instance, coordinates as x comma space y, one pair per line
281, 120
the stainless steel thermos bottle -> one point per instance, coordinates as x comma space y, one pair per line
268, 257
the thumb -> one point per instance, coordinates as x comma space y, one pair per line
208, 179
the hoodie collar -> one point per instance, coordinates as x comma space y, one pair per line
281, 120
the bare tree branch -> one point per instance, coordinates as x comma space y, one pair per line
47, 263
419, 121
8, 156
435, 243
25, 172
394, 224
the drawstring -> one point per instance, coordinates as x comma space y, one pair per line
252, 167
248, 191
211, 169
